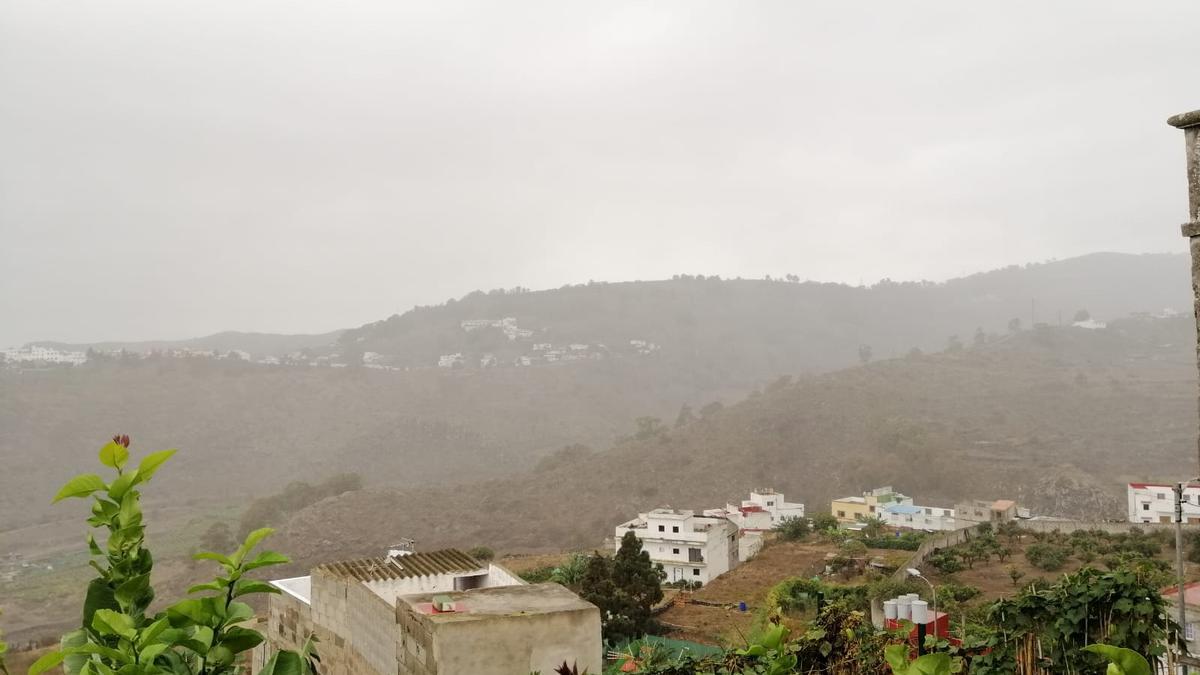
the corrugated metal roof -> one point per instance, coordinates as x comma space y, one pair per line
406, 566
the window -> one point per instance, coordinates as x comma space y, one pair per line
662, 529
675, 551
674, 528
1146, 507
928, 512
1189, 632
696, 573
770, 503
841, 514
1161, 495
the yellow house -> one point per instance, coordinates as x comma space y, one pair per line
849, 510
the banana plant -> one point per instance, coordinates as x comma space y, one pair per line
929, 664
1121, 661
771, 651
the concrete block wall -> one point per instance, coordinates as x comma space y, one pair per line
519, 644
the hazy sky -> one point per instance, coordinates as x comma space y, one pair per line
171, 169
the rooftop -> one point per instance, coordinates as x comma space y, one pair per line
1003, 504
904, 508
297, 587
500, 601
852, 500
1191, 593
671, 513
446, 561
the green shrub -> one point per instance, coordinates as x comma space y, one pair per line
945, 560
824, 521
908, 541
1046, 556
792, 529
481, 553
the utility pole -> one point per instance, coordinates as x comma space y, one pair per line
1180, 570
1189, 122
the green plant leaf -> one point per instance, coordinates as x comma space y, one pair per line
209, 555
114, 454
284, 663
247, 586
1127, 661
210, 586
896, 657
99, 596
80, 486
150, 463
238, 612
252, 540
121, 486
109, 622
49, 660
238, 639
266, 559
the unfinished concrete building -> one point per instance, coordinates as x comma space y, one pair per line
435, 613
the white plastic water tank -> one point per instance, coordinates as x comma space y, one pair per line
920, 612
889, 610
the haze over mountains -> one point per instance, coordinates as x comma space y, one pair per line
1055, 416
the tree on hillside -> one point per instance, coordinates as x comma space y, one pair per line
864, 354
685, 416
1082, 315
711, 409
953, 344
823, 522
1014, 325
873, 526
624, 588
792, 528
648, 427
218, 537
980, 337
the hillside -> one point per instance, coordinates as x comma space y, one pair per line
1056, 418
245, 430
258, 345
742, 331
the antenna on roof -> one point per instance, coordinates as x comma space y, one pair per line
405, 547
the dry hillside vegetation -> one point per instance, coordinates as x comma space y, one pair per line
1056, 418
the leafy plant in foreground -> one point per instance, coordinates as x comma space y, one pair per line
195, 636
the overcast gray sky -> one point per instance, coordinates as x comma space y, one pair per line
171, 169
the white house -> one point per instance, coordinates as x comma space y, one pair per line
1155, 503
689, 547
918, 517
764, 510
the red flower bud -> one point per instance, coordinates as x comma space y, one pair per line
125, 440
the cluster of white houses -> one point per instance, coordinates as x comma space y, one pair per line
699, 548
38, 354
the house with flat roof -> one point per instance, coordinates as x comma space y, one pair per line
689, 547
1155, 503
851, 510
918, 517
977, 512
440, 612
